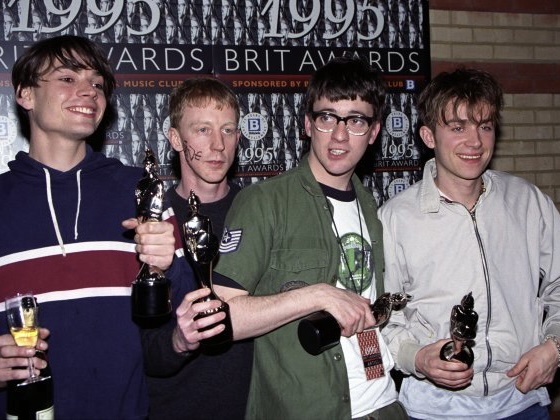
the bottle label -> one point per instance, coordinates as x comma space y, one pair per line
46, 414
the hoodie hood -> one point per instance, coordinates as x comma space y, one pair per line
63, 190
30, 170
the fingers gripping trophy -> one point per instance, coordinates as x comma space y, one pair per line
151, 291
463, 331
202, 247
320, 331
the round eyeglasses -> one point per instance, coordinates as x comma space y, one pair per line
326, 122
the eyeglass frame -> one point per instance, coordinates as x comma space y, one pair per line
315, 114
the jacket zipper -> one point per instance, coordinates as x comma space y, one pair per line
489, 300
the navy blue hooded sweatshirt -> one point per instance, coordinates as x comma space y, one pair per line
61, 238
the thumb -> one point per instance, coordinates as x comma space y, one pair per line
516, 370
130, 223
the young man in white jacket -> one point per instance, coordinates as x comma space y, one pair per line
462, 229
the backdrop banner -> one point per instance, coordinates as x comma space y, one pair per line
265, 50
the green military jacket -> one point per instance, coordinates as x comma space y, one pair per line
286, 235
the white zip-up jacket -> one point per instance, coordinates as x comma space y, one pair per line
506, 252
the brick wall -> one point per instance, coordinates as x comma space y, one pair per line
518, 42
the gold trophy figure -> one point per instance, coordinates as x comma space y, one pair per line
151, 290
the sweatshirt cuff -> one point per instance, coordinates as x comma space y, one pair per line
551, 330
407, 358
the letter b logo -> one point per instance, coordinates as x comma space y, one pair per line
254, 124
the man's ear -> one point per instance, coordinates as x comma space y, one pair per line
374, 132
24, 98
175, 139
308, 125
428, 137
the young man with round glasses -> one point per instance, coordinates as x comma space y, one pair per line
309, 240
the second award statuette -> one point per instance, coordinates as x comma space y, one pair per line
202, 247
320, 330
151, 290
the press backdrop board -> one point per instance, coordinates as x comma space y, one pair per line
265, 50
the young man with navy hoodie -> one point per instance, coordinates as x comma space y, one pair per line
67, 236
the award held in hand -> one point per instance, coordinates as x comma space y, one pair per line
463, 331
151, 290
320, 330
202, 248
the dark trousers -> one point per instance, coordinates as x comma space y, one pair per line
393, 411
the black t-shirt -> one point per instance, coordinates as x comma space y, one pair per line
211, 384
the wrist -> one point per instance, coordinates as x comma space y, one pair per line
556, 342
177, 343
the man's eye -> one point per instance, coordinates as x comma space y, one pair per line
357, 122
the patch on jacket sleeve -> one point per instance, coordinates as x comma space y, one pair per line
230, 240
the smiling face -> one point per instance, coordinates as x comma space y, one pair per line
181, 8
207, 138
169, 28
67, 103
195, 29
119, 30
462, 147
392, 34
148, 119
334, 156
261, 30
122, 119
249, 9
8, 24
237, 31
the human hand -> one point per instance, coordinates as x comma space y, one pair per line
535, 368
352, 311
155, 242
13, 358
450, 374
188, 332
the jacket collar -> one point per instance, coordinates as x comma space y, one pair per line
310, 184
430, 199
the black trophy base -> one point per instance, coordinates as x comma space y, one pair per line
318, 332
466, 355
223, 339
151, 302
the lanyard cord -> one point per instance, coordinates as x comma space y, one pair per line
339, 240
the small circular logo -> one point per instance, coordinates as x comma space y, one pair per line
8, 131
397, 124
254, 126
396, 186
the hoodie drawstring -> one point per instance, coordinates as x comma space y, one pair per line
53, 213
79, 182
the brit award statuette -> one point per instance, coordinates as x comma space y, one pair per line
151, 290
320, 330
463, 331
202, 247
